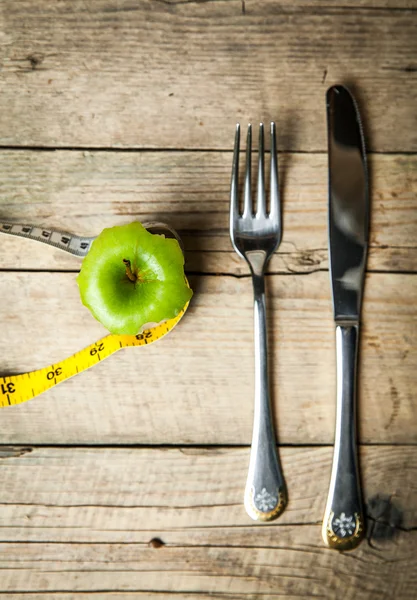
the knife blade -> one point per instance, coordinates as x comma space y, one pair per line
343, 524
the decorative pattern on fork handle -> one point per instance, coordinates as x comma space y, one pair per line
255, 237
264, 505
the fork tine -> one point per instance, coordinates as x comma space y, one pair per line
274, 212
234, 198
247, 207
261, 201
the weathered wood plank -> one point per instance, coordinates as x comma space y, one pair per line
196, 385
308, 5
300, 571
148, 595
83, 192
137, 594
186, 496
126, 596
151, 595
142, 595
129, 595
197, 67
77, 519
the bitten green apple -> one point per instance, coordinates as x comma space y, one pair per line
131, 277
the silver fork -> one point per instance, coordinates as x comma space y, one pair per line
255, 237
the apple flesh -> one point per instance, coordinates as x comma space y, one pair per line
131, 277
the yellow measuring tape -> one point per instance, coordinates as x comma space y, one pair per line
15, 389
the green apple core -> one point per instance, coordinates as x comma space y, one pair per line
131, 278
134, 275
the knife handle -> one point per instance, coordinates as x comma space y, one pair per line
343, 524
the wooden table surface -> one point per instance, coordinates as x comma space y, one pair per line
127, 481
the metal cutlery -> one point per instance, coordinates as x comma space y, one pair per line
343, 525
255, 236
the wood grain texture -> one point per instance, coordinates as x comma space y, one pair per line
132, 595
305, 572
179, 74
182, 495
148, 595
129, 596
83, 192
77, 519
191, 386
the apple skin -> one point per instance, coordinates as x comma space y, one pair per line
131, 277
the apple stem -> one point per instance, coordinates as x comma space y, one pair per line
129, 271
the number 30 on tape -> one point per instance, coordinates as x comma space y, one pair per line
15, 389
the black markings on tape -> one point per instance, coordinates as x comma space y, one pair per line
96, 351
54, 373
65, 241
8, 388
144, 336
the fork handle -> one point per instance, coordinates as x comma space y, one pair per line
343, 524
265, 493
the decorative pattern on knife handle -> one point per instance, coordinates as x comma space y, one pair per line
344, 532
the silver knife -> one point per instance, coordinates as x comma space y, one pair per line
343, 525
